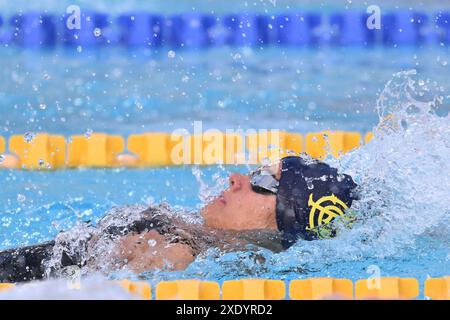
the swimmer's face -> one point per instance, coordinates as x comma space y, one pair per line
240, 208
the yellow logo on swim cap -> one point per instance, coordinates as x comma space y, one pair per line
326, 213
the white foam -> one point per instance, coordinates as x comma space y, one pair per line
93, 288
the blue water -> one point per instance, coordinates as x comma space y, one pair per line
303, 90
180, 6
37, 205
124, 92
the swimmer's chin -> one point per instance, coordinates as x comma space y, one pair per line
212, 209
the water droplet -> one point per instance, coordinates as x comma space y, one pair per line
151, 242
77, 102
79, 49
42, 106
21, 198
171, 54
185, 79
41, 162
88, 133
29, 136
2, 158
97, 32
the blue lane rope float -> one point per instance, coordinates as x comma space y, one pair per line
198, 30
295, 29
141, 29
93, 31
33, 29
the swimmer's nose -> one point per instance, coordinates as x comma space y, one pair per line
236, 181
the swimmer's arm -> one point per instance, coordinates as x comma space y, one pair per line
150, 250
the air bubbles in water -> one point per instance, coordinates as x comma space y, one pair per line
237, 56
77, 102
171, 54
42, 106
21, 198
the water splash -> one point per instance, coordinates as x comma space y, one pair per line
403, 212
94, 247
95, 287
96, 256
207, 191
403, 183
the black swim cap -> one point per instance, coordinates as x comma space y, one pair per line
310, 195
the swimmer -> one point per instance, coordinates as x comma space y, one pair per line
271, 208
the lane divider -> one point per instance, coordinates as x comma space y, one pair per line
140, 289
45, 151
6, 286
187, 290
338, 143
42, 151
253, 289
94, 150
2, 145
393, 288
200, 30
320, 288
387, 288
438, 288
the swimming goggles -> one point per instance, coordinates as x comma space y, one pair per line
263, 179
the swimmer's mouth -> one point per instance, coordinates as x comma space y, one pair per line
221, 199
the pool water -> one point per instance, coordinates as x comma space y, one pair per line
124, 92
404, 172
